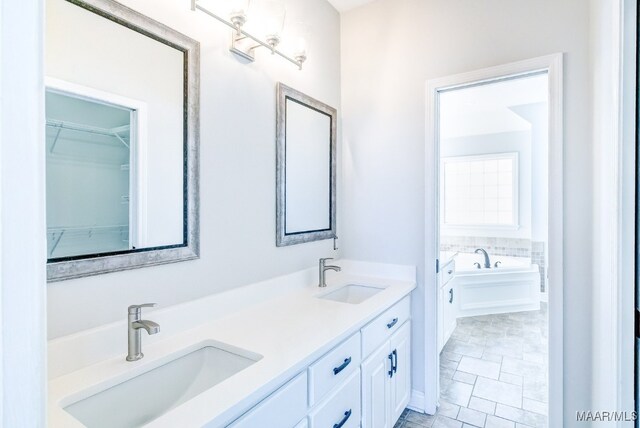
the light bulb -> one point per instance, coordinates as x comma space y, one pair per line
274, 16
239, 7
300, 48
238, 13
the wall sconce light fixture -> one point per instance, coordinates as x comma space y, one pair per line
244, 44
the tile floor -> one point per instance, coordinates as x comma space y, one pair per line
493, 374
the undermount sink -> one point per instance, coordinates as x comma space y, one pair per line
148, 396
352, 293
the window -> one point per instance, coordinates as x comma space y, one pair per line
480, 190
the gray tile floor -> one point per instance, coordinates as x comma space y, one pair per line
493, 374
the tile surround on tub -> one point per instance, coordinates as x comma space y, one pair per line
512, 247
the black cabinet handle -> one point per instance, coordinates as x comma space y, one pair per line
342, 366
451, 295
344, 420
391, 367
395, 360
392, 323
450, 271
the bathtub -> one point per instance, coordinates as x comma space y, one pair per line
513, 286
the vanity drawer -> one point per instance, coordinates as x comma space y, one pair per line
333, 368
380, 329
284, 408
341, 408
447, 272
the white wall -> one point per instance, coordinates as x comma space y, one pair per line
237, 180
22, 231
538, 116
390, 48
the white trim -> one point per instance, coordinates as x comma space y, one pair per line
139, 146
627, 174
22, 272
614, 134
553, 64
544, 297
2, 386
416, 402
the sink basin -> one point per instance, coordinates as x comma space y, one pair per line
352, 293
144, 398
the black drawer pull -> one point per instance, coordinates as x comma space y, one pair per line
390, 372
392, 323
342, 366
344, 420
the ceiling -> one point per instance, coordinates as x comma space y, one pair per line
490, 108
344, 5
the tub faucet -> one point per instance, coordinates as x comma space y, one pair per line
487, 262
324, 268
134, 325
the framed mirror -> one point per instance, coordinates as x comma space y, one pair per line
122, 138
305, 168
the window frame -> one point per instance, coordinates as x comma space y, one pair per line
514, 157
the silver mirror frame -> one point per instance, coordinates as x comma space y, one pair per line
283, 238
190, 248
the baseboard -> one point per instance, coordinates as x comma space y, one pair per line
416, 402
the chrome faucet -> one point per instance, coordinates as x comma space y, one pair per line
323, 268
135, 324
487, 262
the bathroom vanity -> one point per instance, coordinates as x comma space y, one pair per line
295, 356
447, 299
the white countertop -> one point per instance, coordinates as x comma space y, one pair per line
290, 332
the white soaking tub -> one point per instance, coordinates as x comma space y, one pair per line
513, 286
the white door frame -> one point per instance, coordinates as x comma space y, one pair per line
23, 245
553, 65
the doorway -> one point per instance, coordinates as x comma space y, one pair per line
496, 239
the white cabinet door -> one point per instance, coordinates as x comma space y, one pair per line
376, 389
449, 303
440, 320
401, 379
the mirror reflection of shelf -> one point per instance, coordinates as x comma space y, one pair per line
84, 233
60, 125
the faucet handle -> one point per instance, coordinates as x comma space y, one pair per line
136, 308
324, 259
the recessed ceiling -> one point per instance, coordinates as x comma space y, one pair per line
344, 5
490, 108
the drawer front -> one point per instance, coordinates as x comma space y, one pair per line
332, 369
284, 408
380, 329
341, 408
448, 272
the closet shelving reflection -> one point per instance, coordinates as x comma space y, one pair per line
70, 126
85, 239
84, 234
